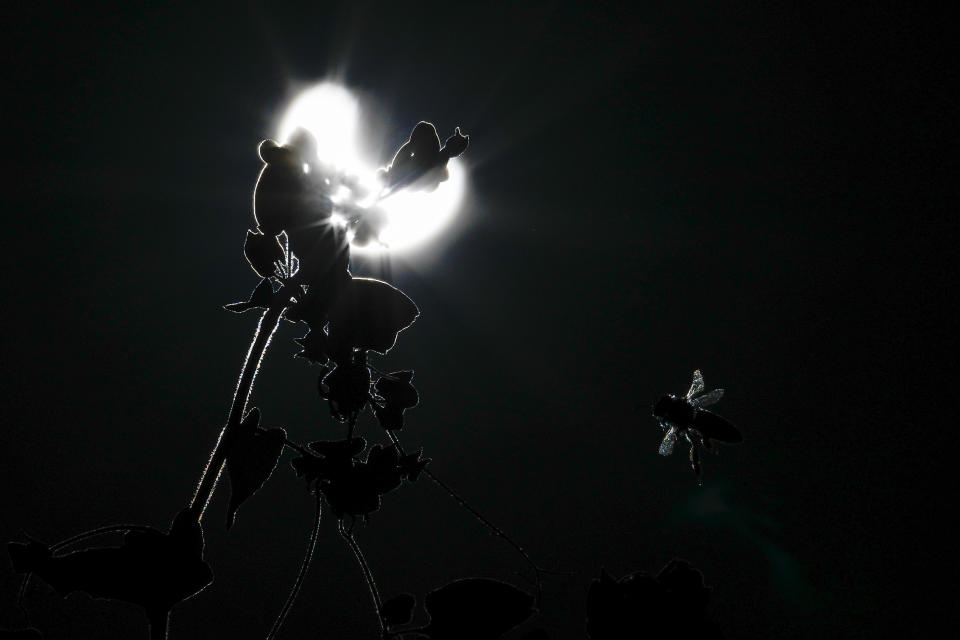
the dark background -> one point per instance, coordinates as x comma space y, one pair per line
761, 192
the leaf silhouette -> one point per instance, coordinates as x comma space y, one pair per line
671, 604
263, 252
396, 389
354, 487
346, 388
310, 468
261, 298
21, 634
335, 457
398, 609
475, 609
368, 314
395, 395
314, 347
251, 459
339, 449
420, 164
152, 569
681, 581
390, 419
412, 465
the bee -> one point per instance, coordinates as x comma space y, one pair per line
687, 417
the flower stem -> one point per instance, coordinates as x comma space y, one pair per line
116, 528
158, 621
367, 574
311, 545
483, 520
211, 473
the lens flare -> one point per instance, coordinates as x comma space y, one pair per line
414, 216
332, 114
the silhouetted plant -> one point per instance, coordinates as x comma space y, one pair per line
301, 254
302, 257
671, 604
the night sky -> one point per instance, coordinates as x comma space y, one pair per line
764, 193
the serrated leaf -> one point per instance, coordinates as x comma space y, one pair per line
475, 609
313, 347
263, 251
262, 297
354, 487
346, 388
395, 395
396, 389
252, 457
412, 465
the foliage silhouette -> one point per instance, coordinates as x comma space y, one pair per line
251, 459
475, 609
261, 298
21, 634
152, 569
398, 610
671, 604
394, 395
420, 163
302, 258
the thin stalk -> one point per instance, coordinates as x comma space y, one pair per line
114, 528
21, 594
211, 473
293, 445
483, 520
159, 621
311, 546
367, 574
494, 528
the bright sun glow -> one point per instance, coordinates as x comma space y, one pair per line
332, 114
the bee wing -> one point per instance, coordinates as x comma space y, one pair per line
696, 386
666, 447
707, 399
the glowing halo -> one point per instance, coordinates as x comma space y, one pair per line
332, 114
414, 216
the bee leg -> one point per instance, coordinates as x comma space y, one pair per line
695, 460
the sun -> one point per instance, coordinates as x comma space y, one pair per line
333, 115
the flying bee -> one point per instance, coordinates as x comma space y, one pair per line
687, 417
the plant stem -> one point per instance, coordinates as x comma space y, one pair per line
115, 528
293, 445
211, 473
158, 624
311, 545
367, 574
